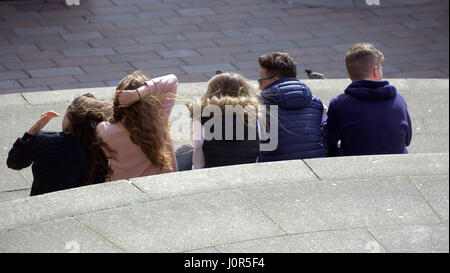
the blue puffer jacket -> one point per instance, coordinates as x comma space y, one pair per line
299, 121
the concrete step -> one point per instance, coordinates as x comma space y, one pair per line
384, 203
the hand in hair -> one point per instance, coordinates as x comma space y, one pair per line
43, 120
126, 98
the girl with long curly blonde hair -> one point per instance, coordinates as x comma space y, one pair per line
138, 137
226, 137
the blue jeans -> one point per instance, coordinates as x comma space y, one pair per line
184, 157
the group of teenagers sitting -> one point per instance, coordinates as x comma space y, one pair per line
102, 141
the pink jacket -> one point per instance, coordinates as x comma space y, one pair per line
131, 161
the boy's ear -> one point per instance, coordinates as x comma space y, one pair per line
375, 71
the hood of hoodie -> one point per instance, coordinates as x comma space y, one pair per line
375, 90
287, 93
250, 105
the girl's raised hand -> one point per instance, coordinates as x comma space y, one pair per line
126, 97
43, 120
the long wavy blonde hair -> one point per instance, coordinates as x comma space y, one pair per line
145, 121
229, 89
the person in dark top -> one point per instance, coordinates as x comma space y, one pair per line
299, 112
371, 117
225, 125
67, 159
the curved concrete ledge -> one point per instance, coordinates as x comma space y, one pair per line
386, 203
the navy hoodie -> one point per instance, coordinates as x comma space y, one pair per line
370, 118
299, 121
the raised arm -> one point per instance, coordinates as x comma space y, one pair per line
21, 154
165, 88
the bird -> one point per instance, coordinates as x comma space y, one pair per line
313, 75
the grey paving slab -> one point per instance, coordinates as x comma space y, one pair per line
196, 11
10, 179
182, 224
380, 166
255, 31
13, 100
436, 125
19, 119
429, 143
161, 38
27, 173
203, 250
38, 31
64, 235
83, 52
325, 90
75, 201
233, 177
192, 89
204, 68
8, 49
435, 190
178, 53
65, 96
339, 241
58, 71
432, 103
12, 195
343, 48
8, 84
343, 204
414, 238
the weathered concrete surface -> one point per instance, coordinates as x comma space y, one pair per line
388, 203
427, 99
190, 212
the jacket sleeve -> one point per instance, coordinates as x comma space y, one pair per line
330, 132
21, 154
408, 130
165, 88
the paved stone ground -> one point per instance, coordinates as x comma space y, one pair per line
48, 45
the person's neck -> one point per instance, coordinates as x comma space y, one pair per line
368, 79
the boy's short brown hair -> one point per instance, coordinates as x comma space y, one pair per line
279, 64
360, 59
